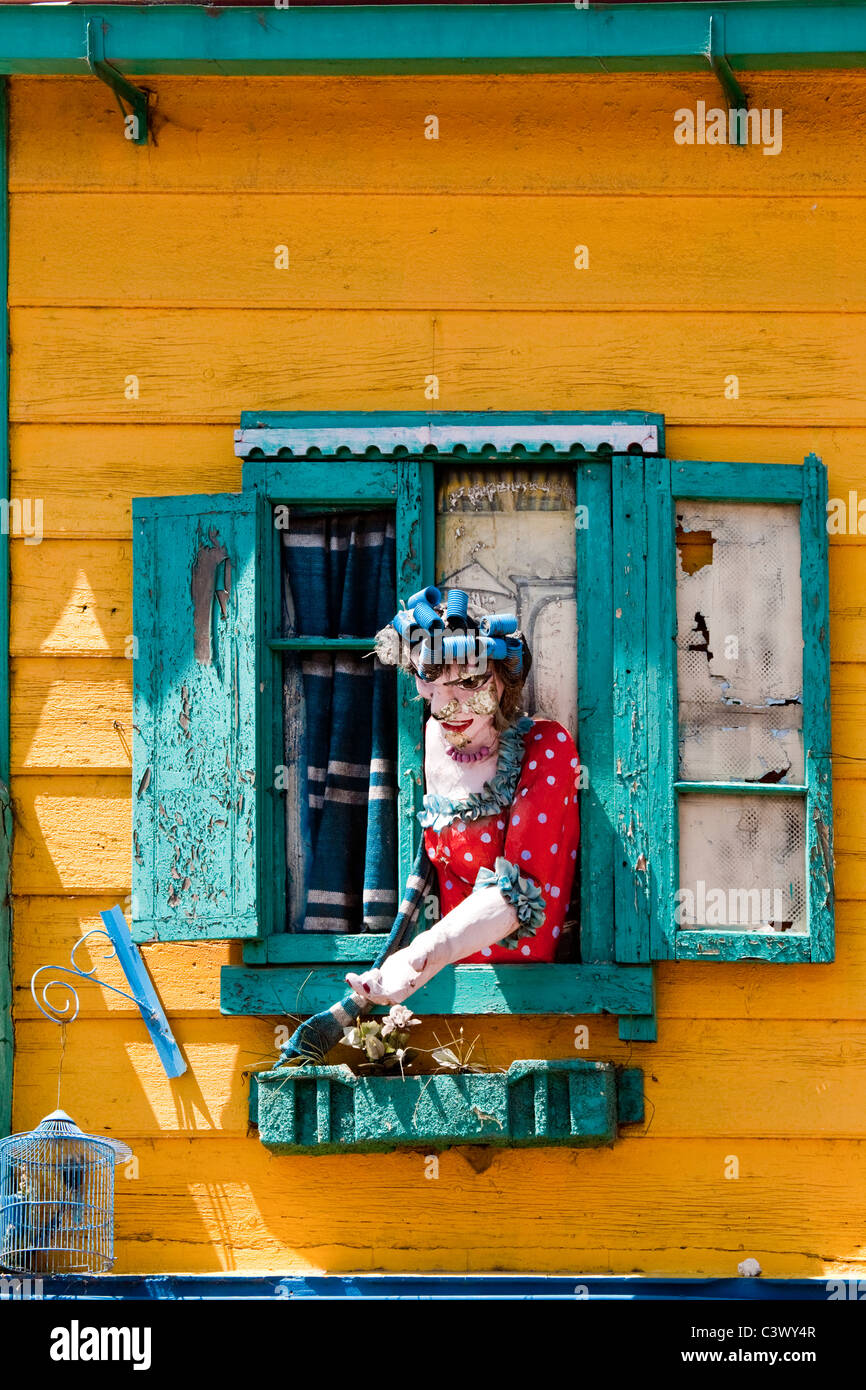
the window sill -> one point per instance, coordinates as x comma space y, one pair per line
459, 989
327, 1110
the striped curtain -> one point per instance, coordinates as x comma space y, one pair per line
340, 725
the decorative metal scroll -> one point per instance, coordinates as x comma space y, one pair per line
143, 995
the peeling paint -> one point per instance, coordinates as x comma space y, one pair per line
209, 557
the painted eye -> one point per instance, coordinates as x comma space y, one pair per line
473, 682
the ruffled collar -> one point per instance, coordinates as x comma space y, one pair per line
439, 811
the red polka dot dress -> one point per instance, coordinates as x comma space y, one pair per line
521, 833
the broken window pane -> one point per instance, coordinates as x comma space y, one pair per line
742, 862
739, 643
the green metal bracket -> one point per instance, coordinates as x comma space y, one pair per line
135, 123
718, 60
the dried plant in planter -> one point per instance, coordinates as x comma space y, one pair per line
383, 1040
455, 1054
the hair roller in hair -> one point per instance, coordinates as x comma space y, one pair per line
457, 608
499, 624
430, 596
426, 617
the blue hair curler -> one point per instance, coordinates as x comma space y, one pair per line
403, 622
430, 595
426, 617
499, 624
460, 647
457, 608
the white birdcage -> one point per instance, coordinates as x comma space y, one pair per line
57, 1199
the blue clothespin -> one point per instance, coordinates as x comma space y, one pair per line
143, 992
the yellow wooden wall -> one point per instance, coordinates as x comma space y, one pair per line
410, 257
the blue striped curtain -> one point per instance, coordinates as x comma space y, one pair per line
340, 725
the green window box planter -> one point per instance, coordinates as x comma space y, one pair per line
315, 1110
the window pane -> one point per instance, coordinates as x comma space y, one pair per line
508, 540
742, 862
339, 726
739, 643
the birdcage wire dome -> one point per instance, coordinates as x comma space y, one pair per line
57, 1199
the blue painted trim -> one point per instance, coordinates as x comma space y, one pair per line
435, 38
436, 1286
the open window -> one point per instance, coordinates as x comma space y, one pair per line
251, 668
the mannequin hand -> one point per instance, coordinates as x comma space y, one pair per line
480, 920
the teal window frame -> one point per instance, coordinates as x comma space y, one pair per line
664, 484
305, 971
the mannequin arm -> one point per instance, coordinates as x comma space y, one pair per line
482, 919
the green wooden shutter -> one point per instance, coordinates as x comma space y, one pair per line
195, 716
773, 806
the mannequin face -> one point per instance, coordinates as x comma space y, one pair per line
464, 701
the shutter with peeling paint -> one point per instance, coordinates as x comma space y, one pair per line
194, 749
725, 779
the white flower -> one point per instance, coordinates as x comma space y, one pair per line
400, 1017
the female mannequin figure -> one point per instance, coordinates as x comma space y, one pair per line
500, 812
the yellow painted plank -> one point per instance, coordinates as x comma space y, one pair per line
65, 709
47, 928
651, 1206
86, 478
779, 1078
187, 978
72, 835
356, 251
72, 714
570, 133
71, 597
77, 364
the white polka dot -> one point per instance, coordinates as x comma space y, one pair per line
525, 854
554, 848
566, 799
574, 762
460, 826
500, 825
468, 858
574, 798
537, 737
548, 752
550, 781
555, 932
448, 883
561, 737
525, 790
525, 951
574, 854
485, 838
547, 887
445, 849
542, 817
554, 892
533, 765
486, 951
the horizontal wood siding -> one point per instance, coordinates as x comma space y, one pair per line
411, 257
